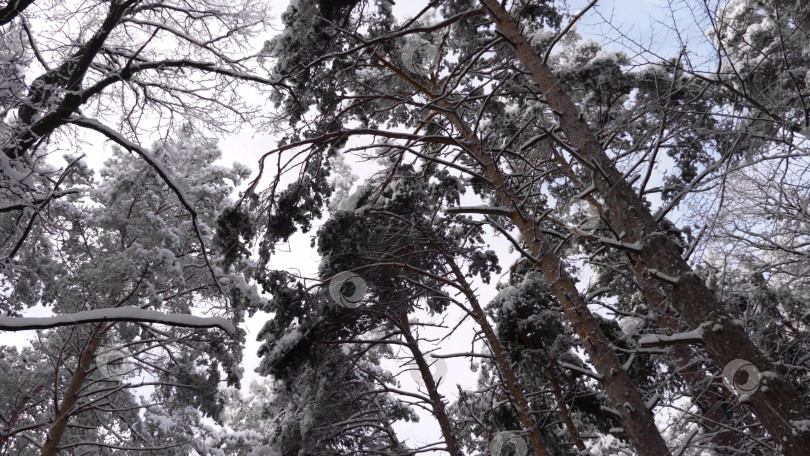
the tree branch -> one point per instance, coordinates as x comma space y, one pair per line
134, 314
162, 172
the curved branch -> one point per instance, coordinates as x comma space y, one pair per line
162, 172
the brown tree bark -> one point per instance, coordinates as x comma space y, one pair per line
436, 399
714, 420
510, 378
776, 403
71, 397
551, 375
710, 401
638, 422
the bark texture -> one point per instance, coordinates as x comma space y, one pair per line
510, 378
637, 420
436, 399
776, 403
71, 397
551, 374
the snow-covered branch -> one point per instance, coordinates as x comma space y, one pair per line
581, 370
487, 210
583, 194
463, 355
162, 172
17, 206
596, 293
665, 277
116, 314
634, 247
657, 340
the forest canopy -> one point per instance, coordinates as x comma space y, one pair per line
463, 228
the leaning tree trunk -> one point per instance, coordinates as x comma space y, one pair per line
71, 397
713, 415
778, 404
715, 420
436, 399
510, 378
638, 422
551, 375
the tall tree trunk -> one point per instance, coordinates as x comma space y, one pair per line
436, 399
551, 375
510, 378
637, 420
715, 419
710, 401
776, 403
71, 397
